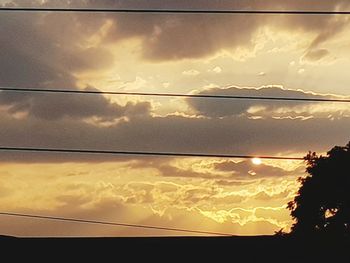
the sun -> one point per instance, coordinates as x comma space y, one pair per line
256, 161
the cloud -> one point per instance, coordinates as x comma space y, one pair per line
37, 52
265, 196
53, 107
236, 134
316, 55
191, 72
225, 172
159, 203
244, 169
224, 108
207, 35
47, 51
334, 26
91, 58
244, 217
174, 37
216, 70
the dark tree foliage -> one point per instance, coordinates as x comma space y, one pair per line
322, 204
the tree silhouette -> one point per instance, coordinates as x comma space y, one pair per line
322, 204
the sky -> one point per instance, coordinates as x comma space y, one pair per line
253, 55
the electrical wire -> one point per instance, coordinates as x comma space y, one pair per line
76, 220
173, 154
172, 11
206, 96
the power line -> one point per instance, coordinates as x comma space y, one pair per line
173, 154
75, 220
172, 11
207, 96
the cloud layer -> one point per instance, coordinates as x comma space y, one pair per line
211, 206
225, 108
235, 135
172, 37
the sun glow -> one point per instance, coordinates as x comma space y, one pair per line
256, 161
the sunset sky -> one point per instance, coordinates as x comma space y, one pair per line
254, 55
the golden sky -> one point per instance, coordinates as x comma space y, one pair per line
253, 55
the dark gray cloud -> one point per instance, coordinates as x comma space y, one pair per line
45, 51
171, 37
53, 107
225, 108
237, 135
